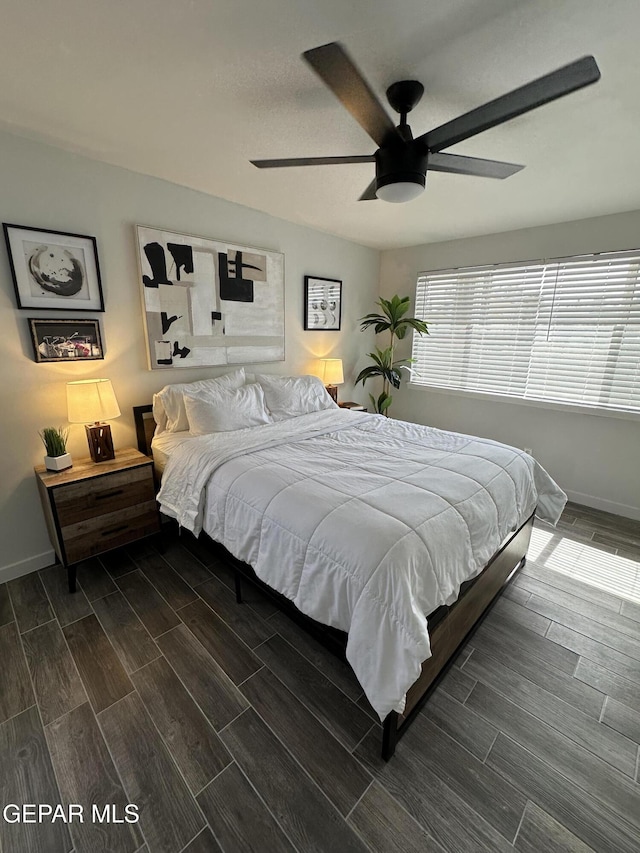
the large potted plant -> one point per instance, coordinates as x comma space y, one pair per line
392, 319
55, 442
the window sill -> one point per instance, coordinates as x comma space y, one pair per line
537, 404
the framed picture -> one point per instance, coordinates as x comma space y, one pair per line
208, 302
322, 303
65, 340
54, 270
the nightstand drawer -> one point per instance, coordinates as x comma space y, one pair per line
94, 535
102, 495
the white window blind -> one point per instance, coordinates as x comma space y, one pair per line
565, 330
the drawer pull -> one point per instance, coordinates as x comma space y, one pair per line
111, 494
114, 530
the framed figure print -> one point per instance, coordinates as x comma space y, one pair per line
54, 270
322, 303
65, 340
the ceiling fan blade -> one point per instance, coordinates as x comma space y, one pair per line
568, 79
336, 69
312, 161
471, 166
370, 193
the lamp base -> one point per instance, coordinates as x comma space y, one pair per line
100, 442
332, 391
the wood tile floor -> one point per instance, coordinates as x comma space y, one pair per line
151, 686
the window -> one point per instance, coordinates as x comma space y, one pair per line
565, 330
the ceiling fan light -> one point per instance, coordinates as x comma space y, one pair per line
400, 191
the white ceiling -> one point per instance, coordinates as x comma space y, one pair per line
190, 90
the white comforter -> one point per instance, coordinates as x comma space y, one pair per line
365, 523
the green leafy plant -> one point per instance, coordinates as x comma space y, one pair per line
392, 319
55, 440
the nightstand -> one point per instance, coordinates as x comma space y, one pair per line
354, 407
94, 507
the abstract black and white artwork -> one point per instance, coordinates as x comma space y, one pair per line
207, 302
54, 270
322, 303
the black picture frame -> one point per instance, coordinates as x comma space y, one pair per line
322, 304
54, 270
62, 340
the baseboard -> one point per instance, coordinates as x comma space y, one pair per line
608, 506
23, 567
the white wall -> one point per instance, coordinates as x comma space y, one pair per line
45, 187
595, 459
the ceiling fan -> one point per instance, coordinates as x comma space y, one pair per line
402, 161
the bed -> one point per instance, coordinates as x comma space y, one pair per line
394, 536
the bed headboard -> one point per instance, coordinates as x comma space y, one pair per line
145, 427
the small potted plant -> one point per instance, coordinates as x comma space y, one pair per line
55, 442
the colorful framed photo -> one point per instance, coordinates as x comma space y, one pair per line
65, 340
54, 270
322, 304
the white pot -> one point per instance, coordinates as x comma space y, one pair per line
58, 463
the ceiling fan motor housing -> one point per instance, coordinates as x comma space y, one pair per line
404, 163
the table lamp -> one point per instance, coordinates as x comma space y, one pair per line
90, 402
332, 375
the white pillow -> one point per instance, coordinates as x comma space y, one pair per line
168, 406
159, 415
290, 396
222, 411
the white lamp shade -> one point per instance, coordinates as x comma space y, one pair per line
400, 192
332, 371
90, 401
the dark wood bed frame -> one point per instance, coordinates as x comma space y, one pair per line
449, 627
